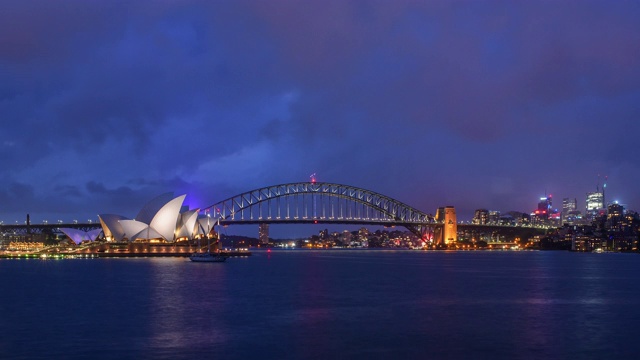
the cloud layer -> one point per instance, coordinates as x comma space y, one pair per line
474, 104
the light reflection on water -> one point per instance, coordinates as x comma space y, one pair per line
324, 304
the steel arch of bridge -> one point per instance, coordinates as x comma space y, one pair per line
310, 202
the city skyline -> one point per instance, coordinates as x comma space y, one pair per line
476, 105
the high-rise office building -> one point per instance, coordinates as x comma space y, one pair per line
481, 217
595, 202
544, 207
263, 233
569, 206
615, 214
542, 212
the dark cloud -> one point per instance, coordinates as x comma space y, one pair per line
477, 104
16, 192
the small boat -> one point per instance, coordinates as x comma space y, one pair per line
207, 257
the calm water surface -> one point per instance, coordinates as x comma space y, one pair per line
324, 305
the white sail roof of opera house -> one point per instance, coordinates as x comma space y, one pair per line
151, 208
166, 219
79, 236
132, 227
205, 224
147, 233
111, 226
188, 221
163, 219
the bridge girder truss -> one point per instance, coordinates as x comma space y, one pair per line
318, 202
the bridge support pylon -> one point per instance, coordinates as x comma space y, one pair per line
448, 235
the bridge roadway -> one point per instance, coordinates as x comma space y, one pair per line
319, 220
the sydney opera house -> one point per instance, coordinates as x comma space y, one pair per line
162, 220
163, 227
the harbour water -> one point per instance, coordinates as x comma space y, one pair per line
331, 304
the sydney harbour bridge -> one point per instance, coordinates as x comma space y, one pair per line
313, 202
310, 203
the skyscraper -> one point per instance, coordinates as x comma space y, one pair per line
568, 206
615, 213
541, 214
263, 233
595, 203
544, 207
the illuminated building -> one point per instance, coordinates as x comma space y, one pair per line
480, 217
595, 203
542, 212
582, 242
615, 214
519, 218
568, 206
263, 233
544, 207
346, 237
162, 219
25, 246
111, 227
363, 234
494, 217
78, 236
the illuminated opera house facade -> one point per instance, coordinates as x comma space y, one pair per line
162, 220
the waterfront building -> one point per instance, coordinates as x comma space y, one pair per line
163, 219
520, 218
583, 242
507, 219
480, 217
25, 246
363, 234
263, 233
346, 237
494, 217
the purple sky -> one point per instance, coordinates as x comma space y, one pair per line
476, 104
